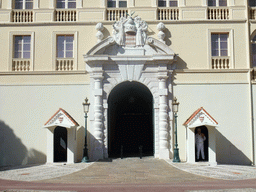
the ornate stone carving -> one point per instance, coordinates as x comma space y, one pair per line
99, 34
132, 26
161, 35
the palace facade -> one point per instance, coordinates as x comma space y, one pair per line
131, 59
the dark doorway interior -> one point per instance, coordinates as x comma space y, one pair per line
204, 131
130, 120
60, 144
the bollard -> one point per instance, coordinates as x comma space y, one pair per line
140, 148
122, 155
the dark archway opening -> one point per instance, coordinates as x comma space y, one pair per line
204, 146
60, 144
130, 120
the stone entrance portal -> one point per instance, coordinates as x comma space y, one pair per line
130, 120
146, 63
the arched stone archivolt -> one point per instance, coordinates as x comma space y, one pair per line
111, 62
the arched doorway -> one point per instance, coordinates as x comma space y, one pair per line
60, 144
130, 120
201, 154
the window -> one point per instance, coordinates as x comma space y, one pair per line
164, 3
116, 3
219, 44
252, 3
23, 4
217, 3
22, 46
254, 51
65, 4
65, 46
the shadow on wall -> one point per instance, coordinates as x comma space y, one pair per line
227, 153
14, 152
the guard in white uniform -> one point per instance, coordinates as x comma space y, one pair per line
200, 138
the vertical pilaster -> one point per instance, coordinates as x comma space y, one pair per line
163, 115
98, 114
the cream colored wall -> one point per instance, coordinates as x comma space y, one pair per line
254, 116
143, 3
44, 4
229, 105
44, 48
191, 41
25, 109
94, 3
194, 3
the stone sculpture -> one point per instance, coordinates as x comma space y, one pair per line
133, 26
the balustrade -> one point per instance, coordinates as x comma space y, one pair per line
21, 64
253, 13
115, 14
65, 15
21, 16
220, 63
168, 14
218, 13
64, 64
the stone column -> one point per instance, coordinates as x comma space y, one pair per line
163, 115
98, 114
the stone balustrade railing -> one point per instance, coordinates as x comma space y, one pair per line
64, 64
115, 14
65, 15
20, 64
253, 13
168, 14
220, 63
218, 13
22, 16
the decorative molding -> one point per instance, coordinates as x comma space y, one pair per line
199, 118
61, 118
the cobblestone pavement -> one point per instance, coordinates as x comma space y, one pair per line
127, 170
227, 172
40, 172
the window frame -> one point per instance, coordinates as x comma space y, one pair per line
55, 35
12, 36
219, 45
252, 5
253, 43
66, 4
24, 4
22, 50
65, 43
230, 45
217, 4
117, 3
168, 4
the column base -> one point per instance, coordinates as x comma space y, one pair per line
164, 154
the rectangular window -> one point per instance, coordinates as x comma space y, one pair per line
122, 3
223, 3
161, 3
22, 46
254, 55
219, 44
65, 4
173, 3
65, 46
217, 3
111, 3
23, 4
252, 3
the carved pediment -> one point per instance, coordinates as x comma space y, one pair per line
199, 118
61, 118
